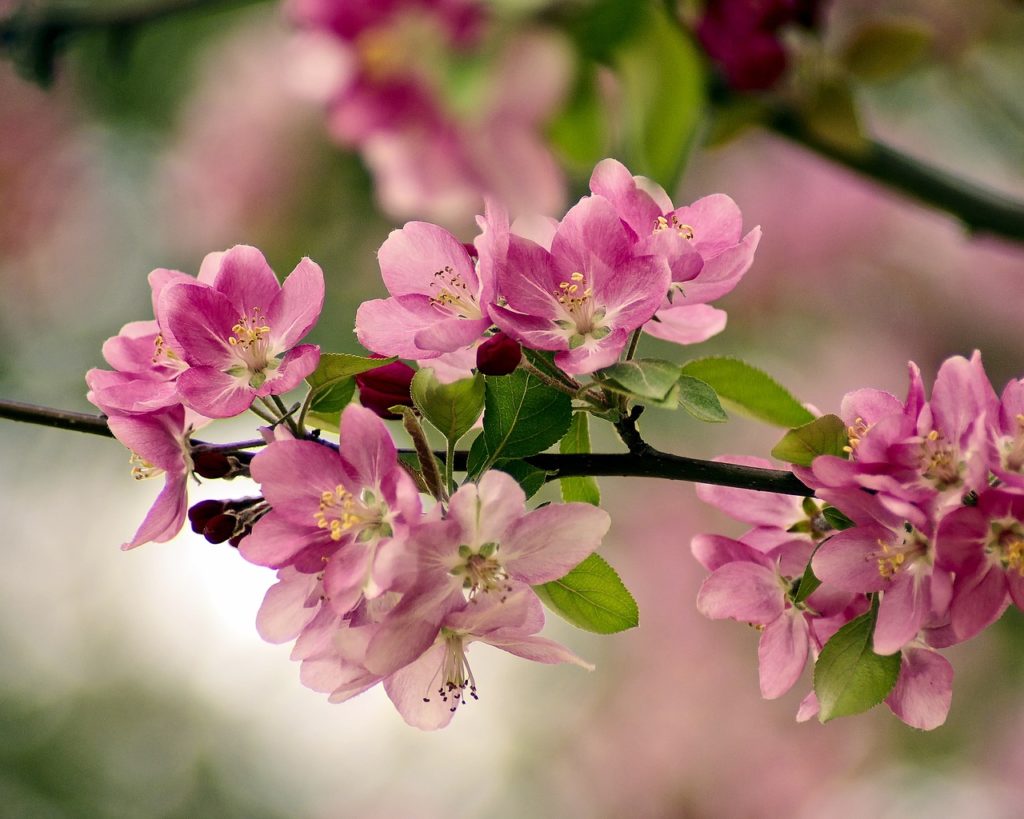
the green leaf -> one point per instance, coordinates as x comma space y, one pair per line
849, 678
592, 597
662, 77
698, 399
822, 436
749, 390
331, 379
452, 408
522, 416
599, 26
836, 519
643, 378
885, 49
528, 477
583, 489
809, 582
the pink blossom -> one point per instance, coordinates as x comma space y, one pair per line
232, 331
924, 689
440, 297
428, 691
160, 446
341, 514
701, 243
585, 296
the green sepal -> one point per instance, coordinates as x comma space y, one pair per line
452, 408
592, 597
849, 678
826, 435
749, 390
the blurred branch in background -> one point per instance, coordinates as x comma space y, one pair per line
979, 209
651, 463
35, 37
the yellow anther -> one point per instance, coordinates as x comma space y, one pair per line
577, 277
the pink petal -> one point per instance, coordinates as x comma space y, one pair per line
723, 272
549, 542
451, 334
924, 690
246, 280
410, 256
593, 355
590, 231
635, 207
214, 393
366, 447
847, 559
901, 613
539, 650
714, 551
388, 328
284, 612
741, 591
716, 221
275, 540
297, 305
167, 515
201, 320
486, 510
755, 508
296, 364
686, 324
529, 278
782, 653
293, 476
414, 691
979, 599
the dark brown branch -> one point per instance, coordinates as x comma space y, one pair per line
646, 462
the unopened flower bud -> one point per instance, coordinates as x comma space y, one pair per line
220, 528
385, 387
212, 464
201, 513
499, 355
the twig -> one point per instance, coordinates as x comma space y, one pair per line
645, 462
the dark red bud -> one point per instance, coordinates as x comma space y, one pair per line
201, 513
212, 464
499, 355
219, 528
385, 387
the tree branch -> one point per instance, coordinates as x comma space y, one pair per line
645, 462
981, 210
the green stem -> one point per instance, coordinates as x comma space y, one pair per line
286, 414
634, 342
449, 466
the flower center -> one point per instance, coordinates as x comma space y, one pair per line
249, 330
453, 294
1006, 544
940, 462
911, 548
161, 350
142, 469
455, 674
856, 431
684, 230
341, 512
481, 570
1013, 449
576, 298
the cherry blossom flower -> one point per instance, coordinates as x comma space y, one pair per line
160, 446
701, 243
340, 514
232, 331
428, 691
584, 296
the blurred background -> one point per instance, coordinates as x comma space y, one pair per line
135, 685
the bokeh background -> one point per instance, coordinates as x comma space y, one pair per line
134, 684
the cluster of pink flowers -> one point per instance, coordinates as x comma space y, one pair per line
373, 589
932, 500
390, 68
219, 342
373, 585
622, 259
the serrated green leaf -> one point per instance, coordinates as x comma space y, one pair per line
452, 408
647, 379
592, 597
849, 678
698, 399
885, 49
327, 383
529, 478
663, 85
749, 390
822, 436
584, 488
522, 416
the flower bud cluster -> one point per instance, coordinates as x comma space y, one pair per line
924, 515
